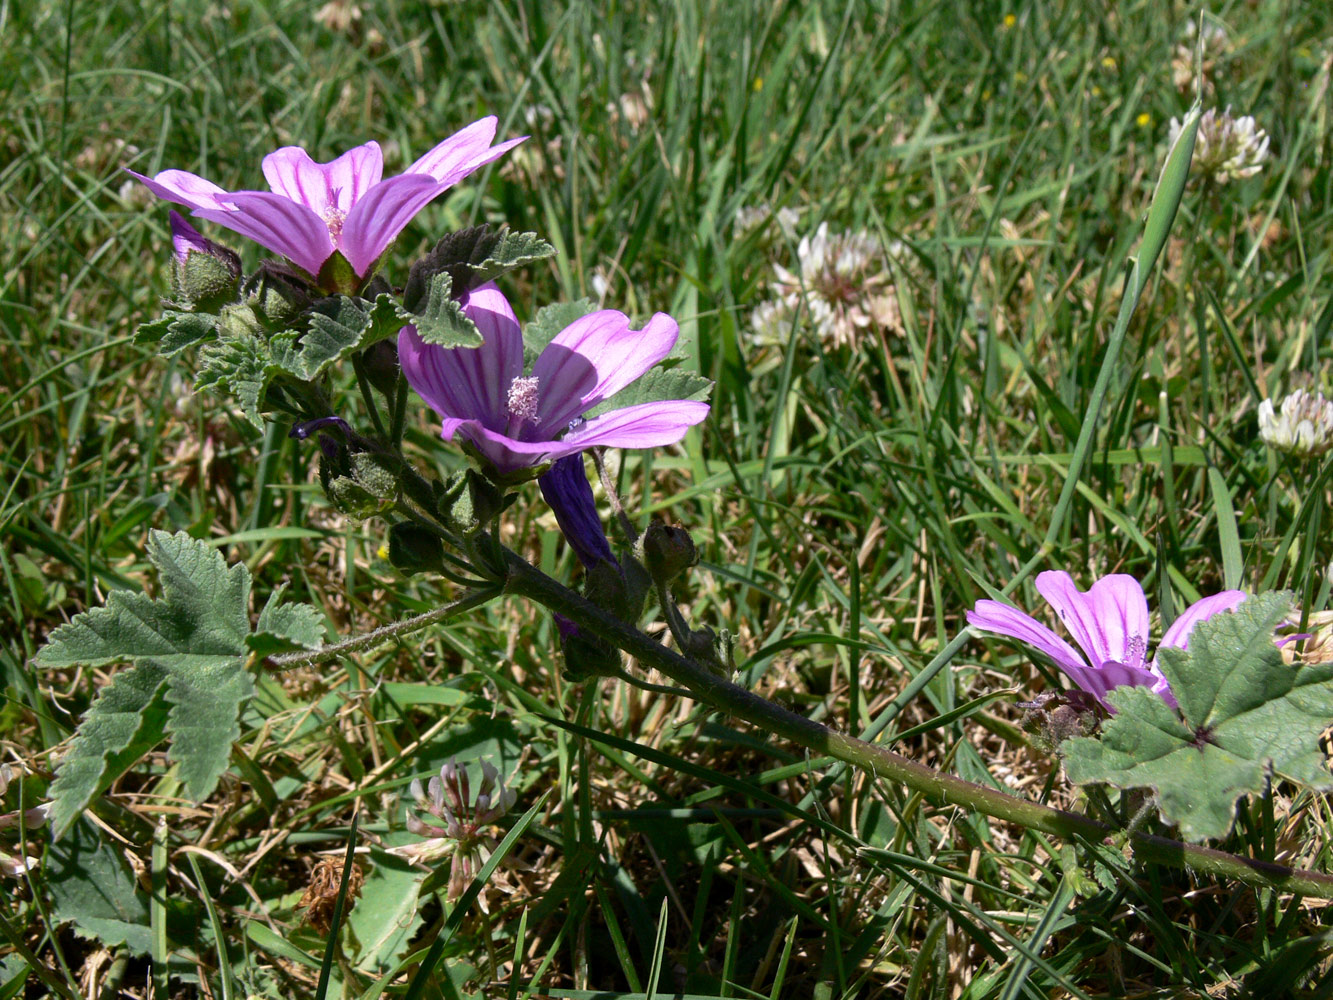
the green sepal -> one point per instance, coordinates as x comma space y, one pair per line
277, 299
207, 281
336, 276
354, 500
468, 502
378, 474
666, 551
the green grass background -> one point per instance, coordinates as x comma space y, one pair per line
850, 506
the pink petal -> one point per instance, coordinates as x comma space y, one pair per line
1110, 621
185, 188
504, 452
280, 224
320, 186
594, 358
647, 425
462, 153
1178, 634
463, 382
1001, 619
381, 214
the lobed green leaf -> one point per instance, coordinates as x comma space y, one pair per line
1245, 716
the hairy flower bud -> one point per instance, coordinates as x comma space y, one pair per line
206, 275
667, 551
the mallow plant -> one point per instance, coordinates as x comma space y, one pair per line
1215, 714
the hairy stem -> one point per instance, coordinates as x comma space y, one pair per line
529, 582
302, 658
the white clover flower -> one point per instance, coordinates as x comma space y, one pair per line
1226, 148
460, 820
843, 282
1303, 426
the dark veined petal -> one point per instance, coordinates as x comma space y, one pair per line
338, 184
646, 425
185, 188
468, 382
569, 494
463, 152
594, 358
1001, 619
381, 214
1178, 634
1110, 621
280, 224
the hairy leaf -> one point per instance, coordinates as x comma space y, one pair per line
510, 251
243, 366
189, 648
549, 321
93, 888
338, 327
474, 256
174, 331
1245, 716
285, 627
438, 317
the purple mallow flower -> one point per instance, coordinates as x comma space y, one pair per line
317, 209
1110, 624
517, 421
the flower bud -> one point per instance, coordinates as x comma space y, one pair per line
667, 551
277, 297
414, 549
206, 275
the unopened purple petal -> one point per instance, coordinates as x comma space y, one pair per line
594, 358
185, 188
278, 223
465, 382
1110, 621
1178, 634
383, 213
646, 425
185, 239
339, 184
463, 152
569, 494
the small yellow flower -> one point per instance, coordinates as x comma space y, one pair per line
382, 552
1010, 20
1144, 119
1108, 62
758, 84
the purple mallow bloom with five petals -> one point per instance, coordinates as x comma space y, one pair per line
517, 421
317, 209
1109, 622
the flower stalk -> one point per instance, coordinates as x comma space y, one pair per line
526, 581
